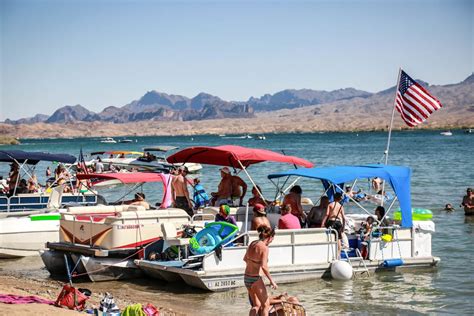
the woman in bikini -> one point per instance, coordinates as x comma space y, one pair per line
256, 259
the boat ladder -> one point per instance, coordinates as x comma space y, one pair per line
361, 269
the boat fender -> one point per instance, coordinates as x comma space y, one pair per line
392, 263
341, 270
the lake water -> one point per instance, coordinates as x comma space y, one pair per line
442, 169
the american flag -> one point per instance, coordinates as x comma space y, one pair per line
414, 102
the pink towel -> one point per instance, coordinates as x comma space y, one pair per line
19, 299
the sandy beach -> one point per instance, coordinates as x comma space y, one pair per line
49, 289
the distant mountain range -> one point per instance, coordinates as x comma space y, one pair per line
159, 106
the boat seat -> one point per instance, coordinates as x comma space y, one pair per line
170, 235
54, 201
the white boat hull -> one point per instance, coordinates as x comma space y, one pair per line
22, 237
300, 255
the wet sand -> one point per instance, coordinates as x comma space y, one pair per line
27, 277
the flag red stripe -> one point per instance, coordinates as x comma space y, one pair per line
414, 96
399, 106
434, 101
431, 102
412, 110
415, 107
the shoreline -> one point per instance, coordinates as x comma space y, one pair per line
50, 289
243, 132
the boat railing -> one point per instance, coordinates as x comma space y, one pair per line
297, 239
399, 236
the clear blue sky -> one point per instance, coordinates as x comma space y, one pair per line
102, 53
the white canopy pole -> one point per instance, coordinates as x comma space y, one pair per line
393, 115
251, 180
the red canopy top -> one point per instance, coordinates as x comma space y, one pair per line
229, 155
124, 177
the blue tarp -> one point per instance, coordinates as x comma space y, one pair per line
33, 157
397, 176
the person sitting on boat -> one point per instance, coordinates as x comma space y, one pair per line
317, 213
48, 172
200, 196
287, 219
293, 198
365, 231
257, 198
259, 217
13, 178
22, 187
180, 193
256, 259
139, 199
239, 189
381, 218
224, 215
224, 189
99, 166
3, 185
33, 184
335, 218
468, 202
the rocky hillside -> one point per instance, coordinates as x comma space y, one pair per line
458, 100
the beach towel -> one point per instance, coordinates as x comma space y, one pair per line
20, 299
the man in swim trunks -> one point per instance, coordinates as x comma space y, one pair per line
180, 193
293, 198
468, 202
239, 189
335, 218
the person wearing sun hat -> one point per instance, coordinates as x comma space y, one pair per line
224, 189
259, 217
224, 215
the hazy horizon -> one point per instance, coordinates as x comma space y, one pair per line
103, 53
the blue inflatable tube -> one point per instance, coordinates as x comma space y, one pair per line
392, 263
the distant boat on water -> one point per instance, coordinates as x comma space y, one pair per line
447, 133
261, 137
108, 140
468, 131
125, 140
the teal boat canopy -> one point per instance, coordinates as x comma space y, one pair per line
397, 176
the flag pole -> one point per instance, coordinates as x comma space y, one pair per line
393, 114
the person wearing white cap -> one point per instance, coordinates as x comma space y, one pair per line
224, 189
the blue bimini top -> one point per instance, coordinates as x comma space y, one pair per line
33, 157
398, 177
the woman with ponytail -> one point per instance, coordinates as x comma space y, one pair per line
256, 259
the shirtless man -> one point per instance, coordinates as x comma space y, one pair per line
139, 199
294, 200
180, 193
224, 189
468, 202
335, 218
317, 213
239, 189
256, 259
259, 217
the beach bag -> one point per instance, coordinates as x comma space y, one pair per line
71, 298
